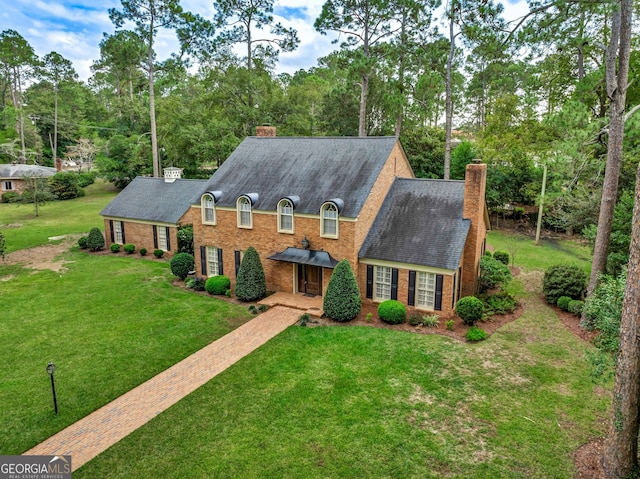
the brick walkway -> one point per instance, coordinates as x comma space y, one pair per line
101, 429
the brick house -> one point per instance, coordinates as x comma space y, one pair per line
149, 211
12, 176
306, 203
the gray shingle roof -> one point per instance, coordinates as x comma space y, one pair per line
152, 199
315, 169
18, 171
420, 223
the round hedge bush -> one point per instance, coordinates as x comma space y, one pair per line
469, 309
158, 253
217, 284
95, 240
563, 303
143, 251
575, 306
129, 248
342, 300
392, 312
181, 264
82, 242
115, 248
502, 256
563, 280
493, 273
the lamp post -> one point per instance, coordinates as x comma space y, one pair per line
51, 369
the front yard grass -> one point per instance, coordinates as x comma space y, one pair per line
108, 323
367, 402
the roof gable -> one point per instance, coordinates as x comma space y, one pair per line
421, 223
153, 199
315, 169
19, 171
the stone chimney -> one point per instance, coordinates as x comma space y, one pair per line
474, 209
172, 174
266, 131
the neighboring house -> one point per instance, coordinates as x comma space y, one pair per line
148, 212
306, 203
12, 176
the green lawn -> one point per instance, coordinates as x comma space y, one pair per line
23, 229
366, 402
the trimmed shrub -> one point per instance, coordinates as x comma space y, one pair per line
95, 240
64, 185
502, 302
129, 248
488, 253
217, 284
563, 280
415, 319
115, 248
263, 307
502, 256
85, 179
143, 251
575, 306
10, 197
392, 312
251, 284
82, 242
449, 324
476, 334
196, 283
158, 253
470, 309
342, 300
563, 303
493, 273
181, 264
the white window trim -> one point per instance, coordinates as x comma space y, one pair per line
246, 201
117, 232
8, 185
429, 306
281, 215
162, 238
323, 210
203, 201
385, 270
212, 261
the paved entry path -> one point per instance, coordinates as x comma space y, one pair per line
101, 429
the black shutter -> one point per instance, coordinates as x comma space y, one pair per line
220, 270
167, 232
438, 300
369, 281
411, 300
155, 236
113, 237
453, 292
124, 241
394, 283
203, 260
237, 258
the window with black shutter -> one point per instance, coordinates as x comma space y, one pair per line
411, 300
438, 300
113, 236
220, 270
236, 255
155, 236
203, 260
369, 281
394, 283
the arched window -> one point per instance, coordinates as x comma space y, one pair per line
208, 209
329, 220
285, 216
245, 219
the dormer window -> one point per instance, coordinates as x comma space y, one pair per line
208, 209
285, 216
329, 220
245, 219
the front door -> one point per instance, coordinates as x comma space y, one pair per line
309, 279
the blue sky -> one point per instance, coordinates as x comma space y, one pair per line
74, 28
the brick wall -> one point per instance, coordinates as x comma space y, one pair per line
141, 235
474, 209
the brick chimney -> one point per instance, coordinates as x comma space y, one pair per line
474, 209
266, 131
172, 174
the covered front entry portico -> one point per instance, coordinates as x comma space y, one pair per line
309, 266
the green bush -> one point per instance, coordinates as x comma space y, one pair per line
431, 321
501, 302
488, 253
603, 311
10, 197
262, 308
470, 309
563, 303
575, 306
158, 253
449, 324
86, 179
181, 264
143, 251
185, 239
95, 240
196, 283
563, 280
115, 248
217, 284
129, 248
82, 242
342, 301
415, 319
251, 284
493, 273
252, 309
392, 312
64, 185
476, 334
502, 256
